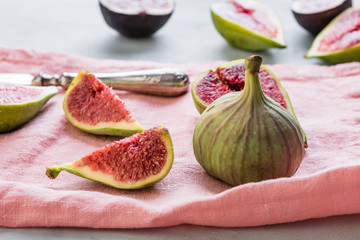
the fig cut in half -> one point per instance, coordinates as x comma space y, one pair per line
136, 18
133, 162
19, 104
93, 107
339, 41
314, 15
247, 24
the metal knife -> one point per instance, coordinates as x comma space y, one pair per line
161, 82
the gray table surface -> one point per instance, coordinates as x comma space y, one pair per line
77, 27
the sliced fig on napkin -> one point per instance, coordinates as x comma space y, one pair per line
133, 162
19, 104
93, 107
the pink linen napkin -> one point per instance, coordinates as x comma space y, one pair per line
326, 101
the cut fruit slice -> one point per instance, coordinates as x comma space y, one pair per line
92, 106
19, 104
247, 24
339, 41
230, 77
134, 162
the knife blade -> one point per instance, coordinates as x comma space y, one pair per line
161, 82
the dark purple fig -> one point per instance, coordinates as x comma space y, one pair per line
136, 18
314, 15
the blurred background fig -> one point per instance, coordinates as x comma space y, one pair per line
247, 24
339, 41
314, 15
136, 18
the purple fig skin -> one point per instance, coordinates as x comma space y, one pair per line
315, 22
140, 25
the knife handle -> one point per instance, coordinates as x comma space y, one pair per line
161, 82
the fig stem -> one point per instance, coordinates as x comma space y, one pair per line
53, 172
253, 63
252, 87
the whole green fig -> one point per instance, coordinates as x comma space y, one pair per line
246, 136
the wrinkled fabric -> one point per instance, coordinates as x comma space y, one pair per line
325, 99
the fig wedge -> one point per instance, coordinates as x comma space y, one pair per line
339, 41
247, 24
134, 162
93, 107
19, 104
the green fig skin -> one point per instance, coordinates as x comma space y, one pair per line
349, 54
243, 38
201, 105
346, 55
122, 128
246, 136
111, 150
13, 116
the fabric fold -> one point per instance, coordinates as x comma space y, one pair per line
326, 100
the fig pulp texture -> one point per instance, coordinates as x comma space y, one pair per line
136, 18
93, 107
134, 162
339, 41
230, 77
314, 15
248, 137
19, 104
247, 24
